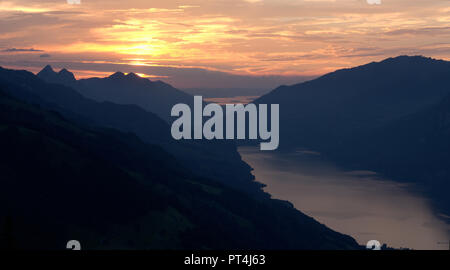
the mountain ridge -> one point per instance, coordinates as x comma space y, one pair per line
154, 96
352, 100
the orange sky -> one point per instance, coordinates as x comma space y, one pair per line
249, 37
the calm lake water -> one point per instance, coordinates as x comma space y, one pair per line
356, 203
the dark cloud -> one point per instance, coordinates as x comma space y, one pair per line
45, 55
421, 31
21, 50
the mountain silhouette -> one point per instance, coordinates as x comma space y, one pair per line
64, 76
26, 86
154, 96
109, 190
47, 73
321, 112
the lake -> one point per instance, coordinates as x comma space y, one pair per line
357, 203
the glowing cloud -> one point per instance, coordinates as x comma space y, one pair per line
244, 37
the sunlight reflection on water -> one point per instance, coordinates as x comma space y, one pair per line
356, 203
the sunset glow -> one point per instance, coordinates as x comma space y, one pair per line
258, 37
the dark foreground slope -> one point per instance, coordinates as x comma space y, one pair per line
61, 181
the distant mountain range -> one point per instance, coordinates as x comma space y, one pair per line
389, 116
154, 96
226, 92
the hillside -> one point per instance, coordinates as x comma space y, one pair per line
218, 160
109, 190
415, 148
321, 112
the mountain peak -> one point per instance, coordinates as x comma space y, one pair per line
47, 70
118, 74
132, 75
48, 67
66, 75
408, 58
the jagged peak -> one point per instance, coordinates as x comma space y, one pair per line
64, 70
132, 75
121, 75
117, 74
64, 73
47, 68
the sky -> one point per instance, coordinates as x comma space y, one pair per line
219, 43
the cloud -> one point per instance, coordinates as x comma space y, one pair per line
21, 50
432, 31
45, 55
